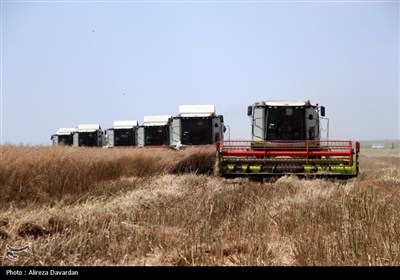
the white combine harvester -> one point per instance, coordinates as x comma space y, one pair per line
154, 131
197, 125
89, 135
123, 133
64, 136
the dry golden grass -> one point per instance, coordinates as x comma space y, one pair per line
47, 174
164, 207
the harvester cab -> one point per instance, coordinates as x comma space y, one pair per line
64, 136
285, 120
197, 125
122, 134
286, 139
154, 131
88, 135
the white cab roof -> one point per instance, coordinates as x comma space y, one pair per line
88, 127
156, 120
196, 110
66, 130
285, 103
125, 124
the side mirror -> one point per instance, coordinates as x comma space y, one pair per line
322, 111
249, 111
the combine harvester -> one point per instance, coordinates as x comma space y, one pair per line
286, 139
64, 136
122, 134
154, 131
197, 125
88, 135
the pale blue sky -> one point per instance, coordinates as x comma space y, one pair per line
69, 63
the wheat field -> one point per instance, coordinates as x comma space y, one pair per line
147, 207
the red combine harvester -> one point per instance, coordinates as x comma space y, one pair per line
286, 139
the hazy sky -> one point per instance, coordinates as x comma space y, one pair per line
70, 63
